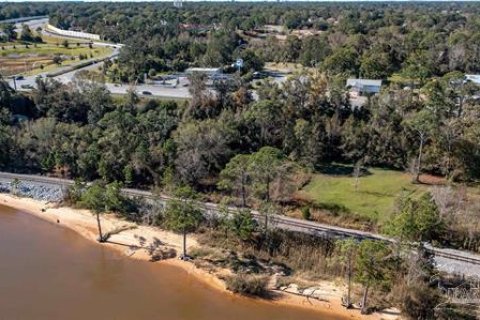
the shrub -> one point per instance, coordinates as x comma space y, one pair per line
306, 214
418, 220
247, 285
74, 192
162, 254
201, 252
420, 301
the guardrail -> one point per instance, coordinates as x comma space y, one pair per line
77, 67
72, 34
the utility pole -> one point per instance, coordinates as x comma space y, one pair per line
14, 83
239, 65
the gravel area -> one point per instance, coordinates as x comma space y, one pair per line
457, 267
38, 191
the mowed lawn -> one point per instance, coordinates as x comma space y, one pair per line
30, 60
50, 50
375, 198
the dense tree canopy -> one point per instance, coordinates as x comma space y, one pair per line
372, 40
259, 147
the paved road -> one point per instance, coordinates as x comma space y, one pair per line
22, 19
168, 90
33, 24
29, 82
448, 260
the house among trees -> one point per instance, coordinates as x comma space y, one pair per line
475, 78
359, 87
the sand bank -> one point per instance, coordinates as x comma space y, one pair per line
133, 241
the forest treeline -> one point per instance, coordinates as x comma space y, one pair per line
81, 129
410, 41
257, 152
21, 10
258, 149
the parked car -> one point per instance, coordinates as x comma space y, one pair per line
259, 75
19, 78
146, 93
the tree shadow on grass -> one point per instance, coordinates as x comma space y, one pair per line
336, 169
334, 208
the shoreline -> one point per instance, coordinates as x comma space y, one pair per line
132, 239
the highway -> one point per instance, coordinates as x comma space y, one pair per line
447, 260
167, 90
33, 23
23, 19
29, 82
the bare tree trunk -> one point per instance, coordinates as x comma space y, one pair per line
349, 289
356, 173
419, 161
460, 109
449, 155
99, 225
184, 244
268, 202
364, 300
268, 189
244, 201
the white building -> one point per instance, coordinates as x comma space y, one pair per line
207, 71
210, 72
362, 86
475, 78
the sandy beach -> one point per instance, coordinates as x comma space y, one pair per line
134, 241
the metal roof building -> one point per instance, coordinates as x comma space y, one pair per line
365, 85
475, 78
208, 71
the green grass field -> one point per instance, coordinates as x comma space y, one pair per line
375, 198
48, 50
34, 60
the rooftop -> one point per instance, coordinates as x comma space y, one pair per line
363, 82
475, 78
204, 70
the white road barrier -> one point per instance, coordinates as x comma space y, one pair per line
73, 34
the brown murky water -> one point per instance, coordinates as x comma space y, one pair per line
49, 272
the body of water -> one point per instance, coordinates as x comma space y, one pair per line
50, 272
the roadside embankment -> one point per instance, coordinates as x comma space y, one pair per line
34, 190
